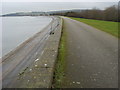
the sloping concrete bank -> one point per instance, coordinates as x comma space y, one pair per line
40, 73
23, 56
11, 53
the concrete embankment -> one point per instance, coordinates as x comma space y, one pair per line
39, 73
12, 52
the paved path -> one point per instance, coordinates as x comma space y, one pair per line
92, 57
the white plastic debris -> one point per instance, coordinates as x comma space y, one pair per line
36, 65
45, 65
55, 51
78, 82
36, 60
30, 69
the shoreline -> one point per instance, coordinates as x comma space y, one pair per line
42, 70
12, 52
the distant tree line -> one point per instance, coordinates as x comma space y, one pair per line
109, 14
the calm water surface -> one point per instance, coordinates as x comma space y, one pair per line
16, 30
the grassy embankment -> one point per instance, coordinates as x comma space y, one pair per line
106, 26
60, 63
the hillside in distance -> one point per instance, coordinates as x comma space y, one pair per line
37, 13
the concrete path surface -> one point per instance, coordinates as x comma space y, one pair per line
92, 57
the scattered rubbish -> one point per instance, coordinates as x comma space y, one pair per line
36, 65
30, 69
45, 65
73, 82
78, 82
36, 60
34, 77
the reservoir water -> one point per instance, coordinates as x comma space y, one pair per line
15, 30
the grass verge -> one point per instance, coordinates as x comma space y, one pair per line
107, 26
60, 63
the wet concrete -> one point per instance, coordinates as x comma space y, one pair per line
92, 57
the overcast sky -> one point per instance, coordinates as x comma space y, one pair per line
24, 5
60, 0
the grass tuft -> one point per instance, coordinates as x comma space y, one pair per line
60, 63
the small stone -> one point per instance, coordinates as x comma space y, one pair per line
73, 82
78, 82
30, 69
28, 80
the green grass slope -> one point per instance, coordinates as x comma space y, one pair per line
107, 26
